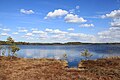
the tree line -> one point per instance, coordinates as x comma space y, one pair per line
68, 43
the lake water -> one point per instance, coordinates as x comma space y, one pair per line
72, 51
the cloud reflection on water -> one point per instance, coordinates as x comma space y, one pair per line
73, 52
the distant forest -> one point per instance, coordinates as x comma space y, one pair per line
68, 43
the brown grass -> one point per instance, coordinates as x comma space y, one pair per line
12, 68
102, 69
35, 69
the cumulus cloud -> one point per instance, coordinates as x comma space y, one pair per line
4, 34
82, 37
56, 31
43, 36
87, 25
29, 34
115, 23
48, 30
34, 29
63, 35
38, 32
6, 29
70, 29
15, 33
113, 33
22, 30
70, 18
27, 11
110, 35
114, 28
30, 38
59, 36
56, 13
113, 14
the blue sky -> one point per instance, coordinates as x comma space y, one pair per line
60, 21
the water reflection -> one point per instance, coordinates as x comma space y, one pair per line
73, 52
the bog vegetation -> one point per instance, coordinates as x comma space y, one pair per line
12, 48
86, 54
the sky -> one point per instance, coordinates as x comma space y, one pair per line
48, 21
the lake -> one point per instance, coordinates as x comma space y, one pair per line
72, 51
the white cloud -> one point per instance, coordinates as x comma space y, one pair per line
87, 25
4, 34
74, 19
30, 38
82, 37
113, 14
110, 35
38, 32
34, 29
115, 23
29, 34
114, 28
58, 37
27, 11
77, 7
15, 33
56, 13
72, 11
48, 30
6, 29
55, 31
22, 30
113, 33
63, 35
43, 36
71, 29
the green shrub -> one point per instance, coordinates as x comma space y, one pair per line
64, 56
86, 54
3, 51
1, 47
14, 49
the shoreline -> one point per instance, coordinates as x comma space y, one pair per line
67, 43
